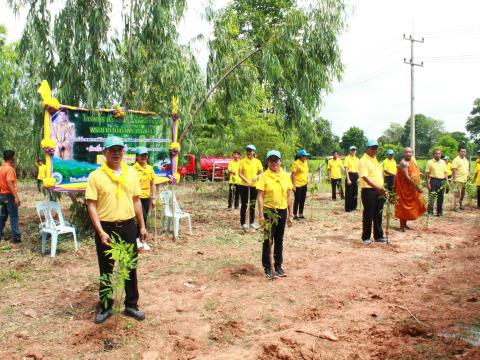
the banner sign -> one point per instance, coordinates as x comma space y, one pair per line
79, 134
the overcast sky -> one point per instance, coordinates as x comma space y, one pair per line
375, 89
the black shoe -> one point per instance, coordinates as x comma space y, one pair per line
103, 315
367, 241
16, 241
135, 313
439, 214
381, 240
269, 275
301, 217
279, 272
295, 217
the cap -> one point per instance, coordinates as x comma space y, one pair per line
113, 141
251, 147
274, 153
141, 150
371, 143
389, 152
353, 147
302, 152
446, 157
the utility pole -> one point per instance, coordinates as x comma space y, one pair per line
412, 88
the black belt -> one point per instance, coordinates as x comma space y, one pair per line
437, 178
118, 224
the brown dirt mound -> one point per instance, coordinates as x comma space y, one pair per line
243, 270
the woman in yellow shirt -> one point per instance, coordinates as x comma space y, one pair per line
300, 181
335, 166
275, 205
146, 175
233, 180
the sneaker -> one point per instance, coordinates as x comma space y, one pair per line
254, 226
301, 217
279, 272
244, 227
229, 209
295, 217
367, 241
269, 275
381, 240
439, 214
139, 244
135, 313
146, 246
103, 315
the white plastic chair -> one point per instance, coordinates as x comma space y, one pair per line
48, 225
166, 197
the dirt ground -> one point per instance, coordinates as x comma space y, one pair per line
205, 296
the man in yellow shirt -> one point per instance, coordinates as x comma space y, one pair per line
477, 177
436, 173
275, 195
446, 158
234, 180
113, 202
41, 173
351, 179
460, 174
248, 170
300, 181
370, 173
148, 198
389, 170
335, 167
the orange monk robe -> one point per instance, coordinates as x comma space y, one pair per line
410, 203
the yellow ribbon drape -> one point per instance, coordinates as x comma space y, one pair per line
46, 94
119, 180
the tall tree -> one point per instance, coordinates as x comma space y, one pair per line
392, 134
353, 136
473, 122
427, 130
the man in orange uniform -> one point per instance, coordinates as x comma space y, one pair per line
410, 203
9, 201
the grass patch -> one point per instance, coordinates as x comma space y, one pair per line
10, 275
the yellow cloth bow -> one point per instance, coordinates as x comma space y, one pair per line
174, 145
49, 182
119, 180
46, 94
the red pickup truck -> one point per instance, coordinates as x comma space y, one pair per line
210, 167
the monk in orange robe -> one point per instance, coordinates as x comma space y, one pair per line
410, 202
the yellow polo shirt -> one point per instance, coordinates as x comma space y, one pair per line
146, 175
102, 189
462, 168
234, 165
335, 167
351, 164
390, 166
477, 170
249, 169
42, 172
300, 170
275, 187
436, 169
449, 169
371, 168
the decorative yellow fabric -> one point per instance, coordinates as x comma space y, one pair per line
102, 189
145, 175
335, 167
351, 163
370, 167
46, 95
249, 169
275, 187
49, 182
174, 105
300, 170
436, 169
477, 171
174, 145
449, 169
389, 165
462, 168
119, 180
48, 144
233, 166
42, 172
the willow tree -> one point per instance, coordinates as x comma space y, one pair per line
288, 47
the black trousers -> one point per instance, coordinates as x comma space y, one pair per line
245, 200
145, 210
372, 213
436, 187
351, 192
128, 234
389, 181
276, 233
336, 183
233, 195
447, 188
478, 195
299, 202
39, 185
